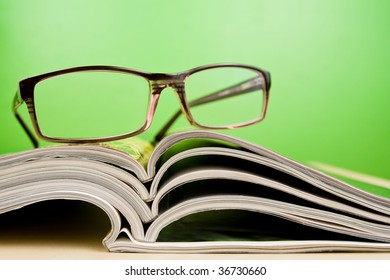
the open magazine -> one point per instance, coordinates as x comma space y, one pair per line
201, 191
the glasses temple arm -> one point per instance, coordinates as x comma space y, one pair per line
16, 104
244, 87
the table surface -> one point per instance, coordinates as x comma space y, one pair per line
92, 249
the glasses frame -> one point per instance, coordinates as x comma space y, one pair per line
157, 83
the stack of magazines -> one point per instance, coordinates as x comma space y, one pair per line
201, 192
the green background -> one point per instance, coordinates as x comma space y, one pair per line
329, 62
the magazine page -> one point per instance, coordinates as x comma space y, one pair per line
320, 179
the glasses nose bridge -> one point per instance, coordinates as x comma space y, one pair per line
162, 81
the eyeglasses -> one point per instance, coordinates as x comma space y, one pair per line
105, 103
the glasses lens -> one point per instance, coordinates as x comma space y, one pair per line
225, 96
91, 104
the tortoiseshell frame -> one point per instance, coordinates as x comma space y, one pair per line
157, 83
